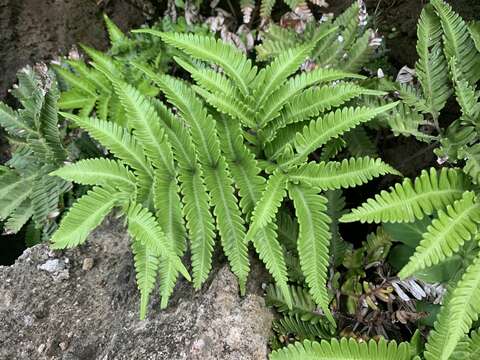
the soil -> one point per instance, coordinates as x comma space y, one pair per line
36, 30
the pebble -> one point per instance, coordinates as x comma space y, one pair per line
87, 264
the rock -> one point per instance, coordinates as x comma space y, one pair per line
87, 264
33, 31
94, 314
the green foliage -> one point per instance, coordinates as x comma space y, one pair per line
348, 46
174, 173
448, 64
344, 349
38, 145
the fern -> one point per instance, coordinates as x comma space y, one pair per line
457, 315
446, 234
183, 166
38, 146
409, 201
344, 349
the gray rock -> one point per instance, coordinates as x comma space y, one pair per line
94, 314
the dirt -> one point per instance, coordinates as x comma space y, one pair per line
36, 30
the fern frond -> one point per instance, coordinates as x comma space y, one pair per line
13, 191
84, 216
466, 95
302, 330
445, 236
472, 164
266, 209
303, 304
48, 123
116, 139
143, 226
359, 53
12, 123
19, 217
98, 172
431, 191
217, 177
344, 349
284, 65
266, 7
359, 143
313, 242
45, 197
229, 105
294, 85
211, 80
271, 253
242, 163
314, 101
456, 316
431, 67
196, 200
146, 264
335, 175
143, 118
335, 209
115, 35
318, 132
457, 41
207, 48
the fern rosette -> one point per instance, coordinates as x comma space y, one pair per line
218, 158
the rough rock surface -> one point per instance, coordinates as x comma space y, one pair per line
35, 30
54, 306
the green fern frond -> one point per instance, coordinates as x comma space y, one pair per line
314, 101
335, 209
431, 191
115, 35
45, 197
196, 200
282, 67
85, 215
457, 41
472, 164
19, 217
266, 8
242, 163
14, 190
447, 233
142, 226
143, 118
302, 330
98, 172
206, 48
271, 253
294, 85
146, 266
313, 242
335, 175
116, 139
266, 209
211, 80
466, 95
318, 132
344, 349
456, 316
431, 67
13, 124
303, 304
